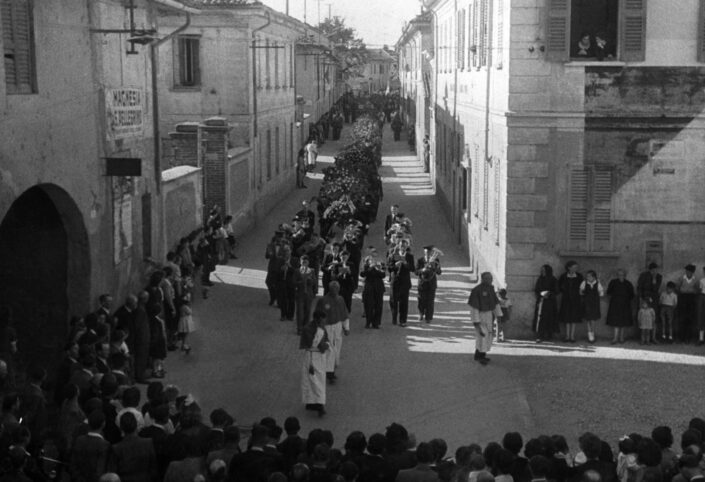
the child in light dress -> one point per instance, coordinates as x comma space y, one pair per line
646, 317
186, 324
505, 304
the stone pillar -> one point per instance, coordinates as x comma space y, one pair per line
214, 134
184, 144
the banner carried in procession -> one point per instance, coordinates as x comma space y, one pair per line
124, 111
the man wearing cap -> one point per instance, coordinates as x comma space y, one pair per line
305, 286
337, 324
427, 269
484, 306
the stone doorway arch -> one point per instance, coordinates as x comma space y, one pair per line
45, 265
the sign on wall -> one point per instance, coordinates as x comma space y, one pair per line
124, 111
123, 190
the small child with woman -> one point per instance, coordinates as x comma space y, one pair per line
646, 318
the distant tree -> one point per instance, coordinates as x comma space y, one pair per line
348, 46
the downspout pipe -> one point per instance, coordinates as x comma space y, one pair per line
154, 59
488, 87
254, 71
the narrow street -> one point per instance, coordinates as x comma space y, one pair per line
247, 361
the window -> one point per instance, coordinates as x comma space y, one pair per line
464, 190
18, 43
461, 40
276, 149
596, 29
497, 198
267, 75
188, 53
276, 65
268, 154
590, 214
291, 144
485, 194
476, 180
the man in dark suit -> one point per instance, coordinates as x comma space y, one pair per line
157, 434
423, 471
649, 284
133, 458
141, 339
66, 368
373, 466
220, 420
106, 304
255, 465
89, 455
33, 407
427, 269
292, 445
400, 265
391, 218
125, 319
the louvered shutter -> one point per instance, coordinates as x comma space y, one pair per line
602, 210
701, 33
476, 33
499, 43
460, 54
18, 46
633, 30
578, 213
484, 33
558, 30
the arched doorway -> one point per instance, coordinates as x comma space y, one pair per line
45, 266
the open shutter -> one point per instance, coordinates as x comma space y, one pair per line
558, 30
578, 213
18, 46
633, 30
602, 210
701, 34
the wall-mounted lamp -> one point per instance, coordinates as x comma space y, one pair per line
532, 48
473, 49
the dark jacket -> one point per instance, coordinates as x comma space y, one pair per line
134, 459
89, 458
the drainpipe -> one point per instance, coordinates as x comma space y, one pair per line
488, 80
153, 51
254, 72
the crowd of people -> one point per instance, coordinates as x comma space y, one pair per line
662, 312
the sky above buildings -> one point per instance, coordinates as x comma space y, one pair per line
378, 22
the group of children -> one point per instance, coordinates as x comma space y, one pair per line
667, 303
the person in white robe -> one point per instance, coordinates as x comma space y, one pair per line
314, 342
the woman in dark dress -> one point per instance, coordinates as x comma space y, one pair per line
546, 290
619, 313
571, 312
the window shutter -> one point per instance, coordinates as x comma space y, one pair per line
499, 43
578, 214
701, 34
17, 32
460, 53
484, 32
476, 33
602, 210
558, 30
633, 30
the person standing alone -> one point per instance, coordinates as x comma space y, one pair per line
484, 306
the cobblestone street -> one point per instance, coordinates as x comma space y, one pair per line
423, 376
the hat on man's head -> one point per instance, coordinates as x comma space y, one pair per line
653, 266
690, 268
429, 247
